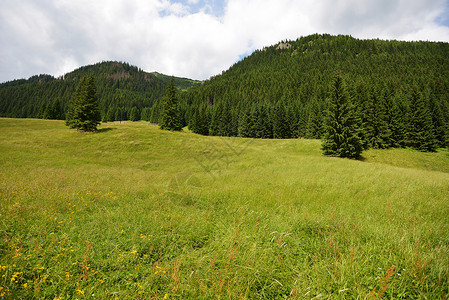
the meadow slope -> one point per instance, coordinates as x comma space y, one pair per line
136, 212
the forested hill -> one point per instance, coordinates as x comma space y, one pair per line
124, 92
280, 91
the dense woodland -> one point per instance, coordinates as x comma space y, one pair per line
400, 91
124, 92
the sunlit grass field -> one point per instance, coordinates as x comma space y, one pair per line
134, 212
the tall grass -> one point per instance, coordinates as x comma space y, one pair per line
136, 212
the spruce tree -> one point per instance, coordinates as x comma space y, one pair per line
314, 127
202, 125
214, 128
134, 114
341, 133
245, 123
281, 128
397, 123
420, 133
83, 113
377, 129
171, 118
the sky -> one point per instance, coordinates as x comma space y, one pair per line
191, 38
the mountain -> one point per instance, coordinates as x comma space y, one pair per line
121, 89
281, 90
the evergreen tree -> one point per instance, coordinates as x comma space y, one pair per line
145, 114
199, 122
171, 119
56, 112
314, 128
245, 123
377, 130
397, 123
83, 113
215, 122
281, 128
420, 132
438, 121
118, 114
110, 115
341, 133
134, 114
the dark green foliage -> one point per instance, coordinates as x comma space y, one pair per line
439, 124
314, 127
83, 113
262, 126
145, 114
118, 85
245, 123
281, 128
420, 133
200, 121
379, 75
53, 111
171, 119
398, 114
134, 114
376, 127
341, 133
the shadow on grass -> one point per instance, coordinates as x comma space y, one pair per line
101, 130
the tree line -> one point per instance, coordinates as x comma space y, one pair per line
124, 92
399, 91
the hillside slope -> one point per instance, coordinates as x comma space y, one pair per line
290, 81
120, 87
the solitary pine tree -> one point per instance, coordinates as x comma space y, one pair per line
83, 113
170, 119
341, 133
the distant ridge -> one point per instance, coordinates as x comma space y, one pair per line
120, 86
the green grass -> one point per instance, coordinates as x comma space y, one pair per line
136, 212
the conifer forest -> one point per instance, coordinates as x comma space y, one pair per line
399, 92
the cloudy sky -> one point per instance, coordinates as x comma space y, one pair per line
191, 38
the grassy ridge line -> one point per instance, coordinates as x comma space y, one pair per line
150, 213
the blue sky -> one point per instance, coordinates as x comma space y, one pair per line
213, 7
191, 38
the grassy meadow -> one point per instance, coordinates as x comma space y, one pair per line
134, 212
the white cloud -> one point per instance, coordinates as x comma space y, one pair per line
56, 36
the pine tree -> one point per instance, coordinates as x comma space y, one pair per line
110, 114
214, 128
377, 129
118, 114
420, 131
171, 119
341, 134
134, 114
281, 128
145, 114
202, 126
397, 123
83, 113
245, 123
314, 127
